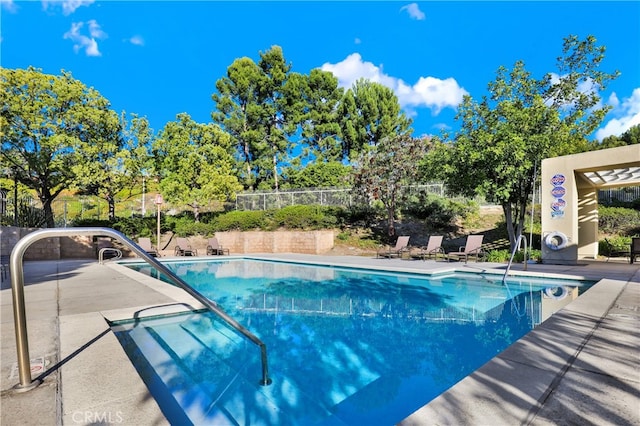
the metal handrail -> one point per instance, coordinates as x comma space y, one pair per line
17, 290
105, 250
513, 253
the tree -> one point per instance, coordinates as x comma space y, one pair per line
314, 98
236, 100
47, 122
368, 113
319, 175
275, 119
254, 108
385, 172
630, 137
114, 165
195, 163
504, 137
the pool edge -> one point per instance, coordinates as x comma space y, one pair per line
514, 387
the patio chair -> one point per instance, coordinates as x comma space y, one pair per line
613, 251
472, 248
145, 244
635, 249
433, 247
183, 248
214, 247
402, 245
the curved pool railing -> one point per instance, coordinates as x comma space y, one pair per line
112, 250
513, 253
17, 291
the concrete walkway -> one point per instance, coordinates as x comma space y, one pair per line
582, 366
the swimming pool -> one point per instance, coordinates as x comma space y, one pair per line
346, 346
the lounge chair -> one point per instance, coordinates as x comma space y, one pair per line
183, 248
433, 247
612, 251
145, 244
214, 247
635, 249
472, 248
402, 245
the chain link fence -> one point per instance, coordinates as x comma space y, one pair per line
340, 197
28, 211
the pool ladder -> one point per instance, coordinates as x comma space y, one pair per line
513, 253
17, 292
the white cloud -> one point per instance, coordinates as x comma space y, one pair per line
68, 6
414, 11
81, 41
9, 6
427, 92
95, 30
627, 115
357, 41
137, 40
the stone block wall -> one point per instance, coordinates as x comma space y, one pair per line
308, 242
84, 247
49, 248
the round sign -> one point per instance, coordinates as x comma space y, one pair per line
558, 192
557, 180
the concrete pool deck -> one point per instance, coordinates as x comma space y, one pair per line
582, 366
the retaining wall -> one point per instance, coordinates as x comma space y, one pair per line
307, 242
49, 248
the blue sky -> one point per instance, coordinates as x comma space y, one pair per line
161, 58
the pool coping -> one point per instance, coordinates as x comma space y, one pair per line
513, 387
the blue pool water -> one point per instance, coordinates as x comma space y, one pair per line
345, 346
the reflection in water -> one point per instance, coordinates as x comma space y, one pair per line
345, 347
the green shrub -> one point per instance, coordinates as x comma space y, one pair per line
136, 227
503, 256
343, 236
240, 221
618, 220
498, 256
536, 255
30, 216
440, 211
618, 244
362, 241
304, 217
362, 216
185, 228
